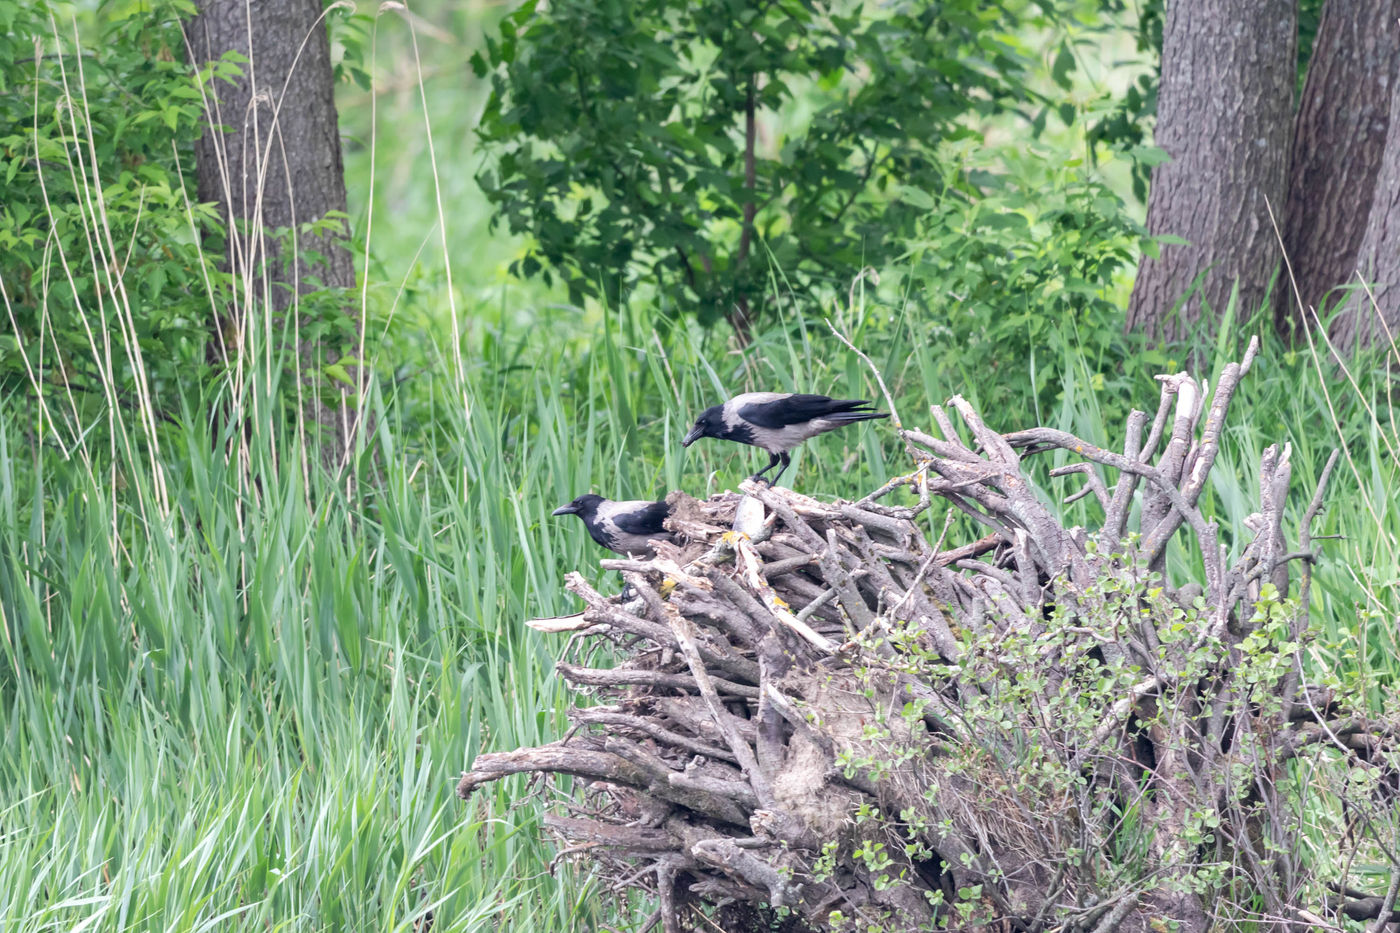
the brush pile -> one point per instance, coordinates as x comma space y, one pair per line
826, 716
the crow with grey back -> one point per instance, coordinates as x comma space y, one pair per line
629, 527
777, 422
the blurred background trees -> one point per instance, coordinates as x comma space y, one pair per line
628, 144
715, 162
719, 156
722, 161
703, 150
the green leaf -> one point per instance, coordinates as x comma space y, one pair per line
339, 373
1063, 67
916, 197
1149, 155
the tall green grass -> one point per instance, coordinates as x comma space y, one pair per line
248, 710
249, 713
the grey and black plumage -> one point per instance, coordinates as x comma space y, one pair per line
627, 527
777, 422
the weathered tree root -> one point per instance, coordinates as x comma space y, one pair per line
828, 716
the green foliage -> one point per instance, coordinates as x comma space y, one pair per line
1021, 754
247, 714
1309, 18
637, 142
265, 695
98, 243
1123, 123
1007, 272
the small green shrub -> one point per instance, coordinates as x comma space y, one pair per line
1013, 269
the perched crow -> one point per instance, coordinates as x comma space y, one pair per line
777, 422
625, 527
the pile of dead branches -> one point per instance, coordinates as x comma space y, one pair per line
828, 716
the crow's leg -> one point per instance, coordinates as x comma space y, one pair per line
776, 476
773, 460
776, 458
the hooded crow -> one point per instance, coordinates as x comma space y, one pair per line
777, 422
627, 527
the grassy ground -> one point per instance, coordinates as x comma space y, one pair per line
236, 694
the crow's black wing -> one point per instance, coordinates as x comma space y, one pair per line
644, 521
796, 409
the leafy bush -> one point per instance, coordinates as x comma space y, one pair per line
637, 143
99, 246
1008, 272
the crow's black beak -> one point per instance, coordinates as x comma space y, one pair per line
695, 434
569, 509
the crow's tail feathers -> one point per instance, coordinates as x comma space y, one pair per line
840, 407
850, 417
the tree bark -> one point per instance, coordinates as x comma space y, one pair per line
1225, 112
1378, 257
1339, 142
270, 158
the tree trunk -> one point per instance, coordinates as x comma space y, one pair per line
1224, 116
1378, 257
1338, 145
277, 166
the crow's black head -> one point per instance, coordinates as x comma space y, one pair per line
709, 424
585, 504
